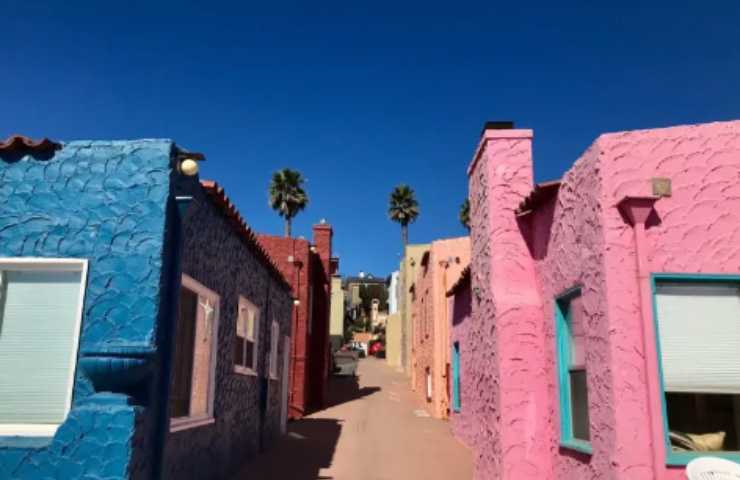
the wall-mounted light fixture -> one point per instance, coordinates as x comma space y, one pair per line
188, 167
296, 302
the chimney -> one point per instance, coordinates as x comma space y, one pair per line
504, 278
322, 236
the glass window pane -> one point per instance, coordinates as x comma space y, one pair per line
38, 330
249, 357
239, 351
182, 367
579, 404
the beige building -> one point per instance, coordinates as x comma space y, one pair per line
336, 314
408, 271
393, 340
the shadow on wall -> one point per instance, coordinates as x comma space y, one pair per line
300, 455
347, 389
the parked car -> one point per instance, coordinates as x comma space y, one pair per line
376, 348
345, 363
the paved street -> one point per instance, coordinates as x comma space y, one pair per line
371, 431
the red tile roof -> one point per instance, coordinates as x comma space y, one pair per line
219, 198
541, 194
20, 143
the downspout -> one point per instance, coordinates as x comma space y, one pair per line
637, 210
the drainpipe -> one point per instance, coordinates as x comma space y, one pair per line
637, 210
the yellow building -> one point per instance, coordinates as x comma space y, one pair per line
336, 313
408, 269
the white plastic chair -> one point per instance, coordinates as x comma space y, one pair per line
712, 468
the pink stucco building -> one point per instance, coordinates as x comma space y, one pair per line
604, 334
430, 353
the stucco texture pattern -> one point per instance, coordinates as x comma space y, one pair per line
104, 201
579, 238
217, 257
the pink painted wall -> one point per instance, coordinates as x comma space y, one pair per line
430, 344
463, 423
581, 238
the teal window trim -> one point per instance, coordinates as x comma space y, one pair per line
563, 354
456, 403
675, 459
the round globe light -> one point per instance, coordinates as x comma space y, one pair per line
189, 167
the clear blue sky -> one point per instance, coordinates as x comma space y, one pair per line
361, 96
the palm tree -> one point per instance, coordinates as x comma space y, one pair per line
465, 214
403, 208
287, 196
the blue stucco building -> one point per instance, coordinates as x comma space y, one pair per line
91, 246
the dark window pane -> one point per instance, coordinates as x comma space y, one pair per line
182, 366
249, 361
703, 422
239, 351
579, 404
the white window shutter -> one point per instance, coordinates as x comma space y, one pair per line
39, 326
699, 332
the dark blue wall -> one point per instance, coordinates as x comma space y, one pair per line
215, 255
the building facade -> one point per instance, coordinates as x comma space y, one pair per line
406, 278
430, 353
461, 391
585, 351
250, 325
336, 328
100, 233
308, 267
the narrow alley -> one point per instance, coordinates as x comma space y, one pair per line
373, 430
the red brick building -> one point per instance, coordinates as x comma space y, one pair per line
308, 268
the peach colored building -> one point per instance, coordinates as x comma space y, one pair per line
603, 339
430, 353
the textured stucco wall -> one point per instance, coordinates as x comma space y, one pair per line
106, 202
569, 239
462, 422
431, 347
215, 255
408, 269
698, 232
580, 238
507, 337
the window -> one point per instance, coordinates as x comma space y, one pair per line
247, 335
274, 337
194, 360
572, 377
40, 314
698, 331
456, 377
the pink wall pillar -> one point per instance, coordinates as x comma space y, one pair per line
510, 359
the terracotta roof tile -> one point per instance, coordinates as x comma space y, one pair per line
219, 198
17, 143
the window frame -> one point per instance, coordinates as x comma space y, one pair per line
274, 346
562, 358
682, 458
456, 384
56, 265
243, 369
199, 420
